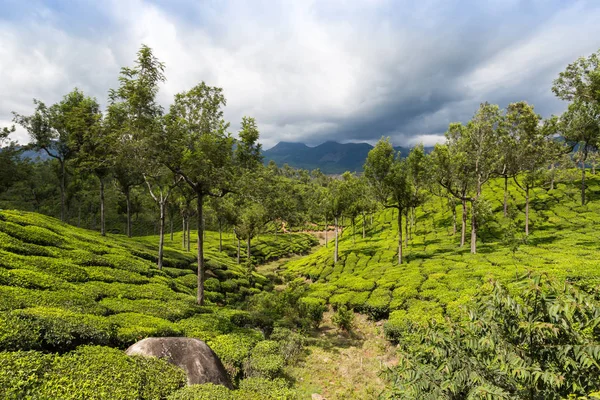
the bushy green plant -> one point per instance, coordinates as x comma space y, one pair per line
22, 372
52, 329
206, 391
265, 361
543, 344
343, 319
103, 373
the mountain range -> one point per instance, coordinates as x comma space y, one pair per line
330, 157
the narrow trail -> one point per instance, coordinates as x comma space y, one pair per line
338, 365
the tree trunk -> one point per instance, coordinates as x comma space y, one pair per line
583, 182
238, 250
464, 223
552, 177
171, 227
335, 251
453, 219
353, 232
161, 234
200, 299
102, 221
399, 237
189, 234
248, 248
363, 227
326, 230
220, 237
371, 219
505, 195
128, 201
79, 215
62, 190
526, 209
183, 231
473, 229
406, 224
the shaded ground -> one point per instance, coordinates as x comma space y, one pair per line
342, 366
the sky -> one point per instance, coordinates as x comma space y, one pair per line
307, 71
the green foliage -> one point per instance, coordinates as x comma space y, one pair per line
343, 319
542, 343
265, 361
207, 391
90, 372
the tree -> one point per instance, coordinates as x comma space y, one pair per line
481, 148
197, 146
448, 169
416, 162
92, 143
579, 83
133, 115
339, 200
11, 171
161, 182
52, 129
387, 174
581, 129
529, 157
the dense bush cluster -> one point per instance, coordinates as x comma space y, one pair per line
543, 343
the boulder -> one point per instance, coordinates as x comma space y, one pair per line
198, 360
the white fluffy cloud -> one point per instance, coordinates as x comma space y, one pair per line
308, 70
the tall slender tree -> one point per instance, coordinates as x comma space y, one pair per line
387, 174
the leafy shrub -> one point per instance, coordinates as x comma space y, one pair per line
343, 319
95, 372
22, 372
108, 274
171, 310
31, 279
234, 348
312, 309
206, 391
265, 361
541, 344
52, 329
132, 327
291, 344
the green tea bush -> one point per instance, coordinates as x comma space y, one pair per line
95, 372
22, 372
265, 361
312, 310
206, 391
31, 279
52, 329
234, 348
343, 319
132, 327
170, 309
109, 275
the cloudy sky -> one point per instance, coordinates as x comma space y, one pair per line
310, 71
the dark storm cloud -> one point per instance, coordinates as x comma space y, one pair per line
308, 71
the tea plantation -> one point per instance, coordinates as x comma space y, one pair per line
70, 299
438, 277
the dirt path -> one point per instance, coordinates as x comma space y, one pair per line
340, 366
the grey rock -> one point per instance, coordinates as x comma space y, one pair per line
198, 360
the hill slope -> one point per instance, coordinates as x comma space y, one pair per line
439, 277
64, 288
